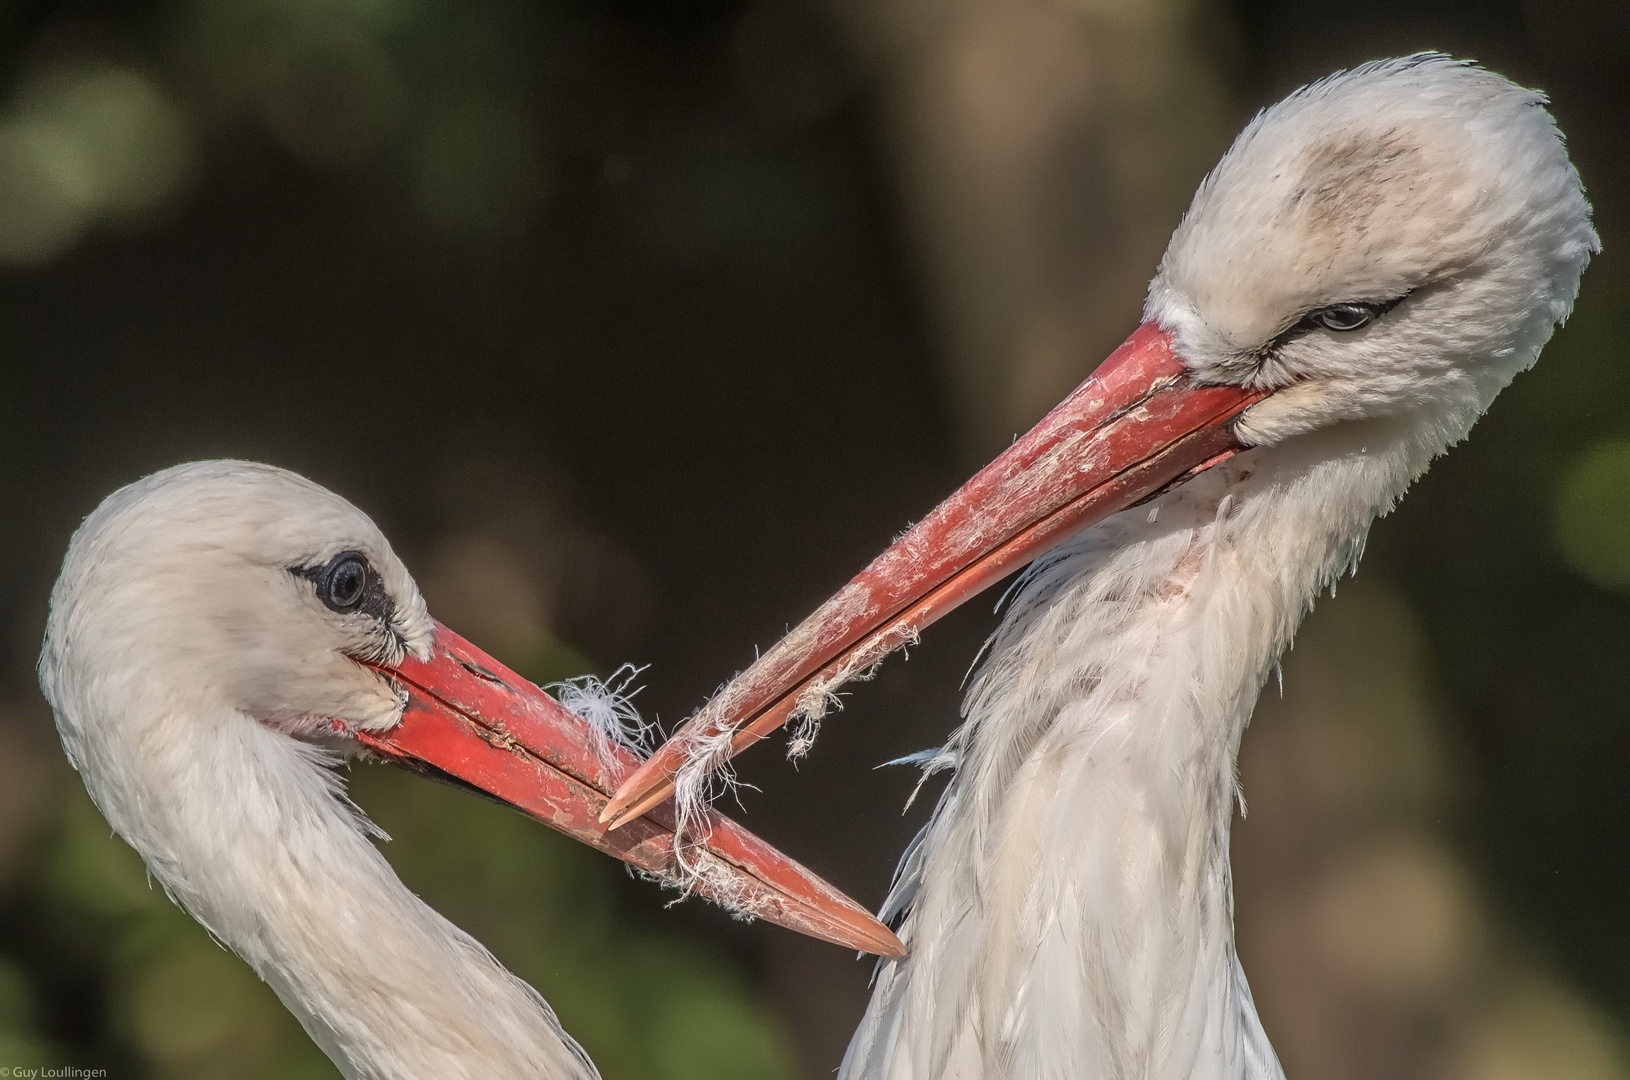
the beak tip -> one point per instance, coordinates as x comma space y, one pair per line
633, 796
893, 948
859, 930
630, 803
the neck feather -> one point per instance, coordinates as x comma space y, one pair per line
250, 831
1069, 908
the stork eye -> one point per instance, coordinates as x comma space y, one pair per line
345, 581
349, 584
1345, 317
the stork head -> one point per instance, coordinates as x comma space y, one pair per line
229, 588
1400, 236
220, 629
1387, 247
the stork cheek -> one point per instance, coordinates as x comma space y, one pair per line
1296, 410
365, 711
366, 702
380, 704
309, 697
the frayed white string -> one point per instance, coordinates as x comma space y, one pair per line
712, 877
608, 708
705, 775
822, 697
706, 772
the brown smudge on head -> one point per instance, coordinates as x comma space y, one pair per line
1348, 179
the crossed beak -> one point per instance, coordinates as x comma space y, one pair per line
1136, 427
472, 720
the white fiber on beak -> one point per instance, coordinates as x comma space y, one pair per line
608, 707
706, 774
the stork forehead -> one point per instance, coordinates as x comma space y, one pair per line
1363, 211
1348, 179
1365, 186
224, 513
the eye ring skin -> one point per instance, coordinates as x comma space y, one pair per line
369, 596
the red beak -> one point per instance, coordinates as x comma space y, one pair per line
1137, 426
470, 718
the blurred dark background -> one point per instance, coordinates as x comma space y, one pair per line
640, 325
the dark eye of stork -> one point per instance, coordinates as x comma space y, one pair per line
348, 584
346, 580
1344, 317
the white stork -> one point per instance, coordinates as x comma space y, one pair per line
1372, 262
221, 634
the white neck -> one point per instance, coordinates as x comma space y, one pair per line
1070, 907
250, 832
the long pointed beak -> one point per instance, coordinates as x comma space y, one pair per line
1137, 426
470, 718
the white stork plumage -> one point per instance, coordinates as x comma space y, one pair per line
1370, 264
221, 634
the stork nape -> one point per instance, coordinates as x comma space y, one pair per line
1373, 260
221, 634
